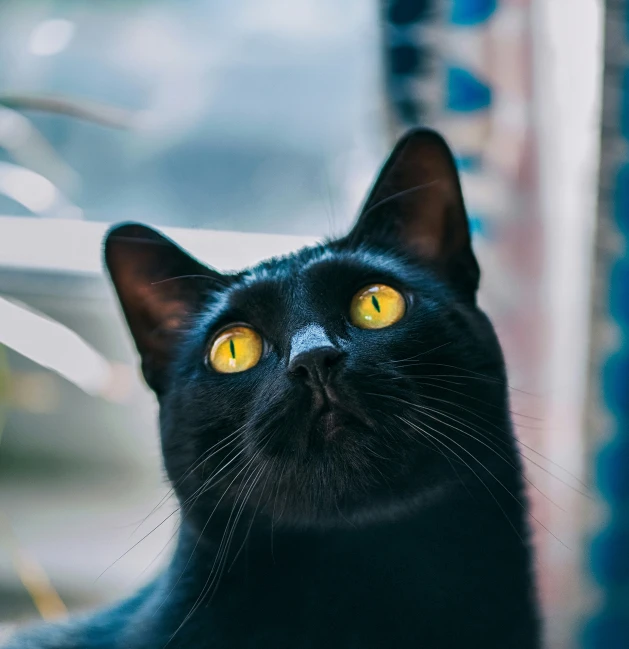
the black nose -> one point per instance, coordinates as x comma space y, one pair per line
315, 365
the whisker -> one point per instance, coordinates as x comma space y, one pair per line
491, 493
504, 442
410, 358
517, 500
194, 465
221, 555
211, 577
518, 441
473, 374
485, 434
277, 491
225, 554
448, 460
255, 511
248, 463
468, 396
486, 445
207, 484
176, 511
194, 606
122, 556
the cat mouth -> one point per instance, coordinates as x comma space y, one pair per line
332, 422
334, 413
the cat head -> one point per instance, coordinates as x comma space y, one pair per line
321, 387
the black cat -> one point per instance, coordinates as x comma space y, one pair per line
335, 425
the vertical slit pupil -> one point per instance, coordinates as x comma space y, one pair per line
232, 348
376, 304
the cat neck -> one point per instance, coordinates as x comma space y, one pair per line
271, 577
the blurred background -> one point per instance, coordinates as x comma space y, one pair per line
252, 127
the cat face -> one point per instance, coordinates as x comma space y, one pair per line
336, 385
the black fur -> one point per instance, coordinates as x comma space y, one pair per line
396, 518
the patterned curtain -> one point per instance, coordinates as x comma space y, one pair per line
609, 398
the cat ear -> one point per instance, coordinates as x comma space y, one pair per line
159, 286
417, 205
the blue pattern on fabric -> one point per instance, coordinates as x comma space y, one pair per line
472, 12
465, 93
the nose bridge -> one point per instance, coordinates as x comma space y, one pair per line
308, 338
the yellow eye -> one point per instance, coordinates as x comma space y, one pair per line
235, 350
377, 306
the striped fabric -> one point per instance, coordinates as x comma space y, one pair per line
609, 552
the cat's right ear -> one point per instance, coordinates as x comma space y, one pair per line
159, 286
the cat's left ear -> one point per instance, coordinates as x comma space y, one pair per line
417, 205
159, 286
